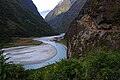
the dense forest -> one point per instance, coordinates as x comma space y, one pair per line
16, 20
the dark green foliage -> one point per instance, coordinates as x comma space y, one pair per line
97, 65
63, 70
102, 65
18, 21
10, 71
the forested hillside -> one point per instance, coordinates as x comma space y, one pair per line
16, 20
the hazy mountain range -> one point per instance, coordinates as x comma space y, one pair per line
44, 13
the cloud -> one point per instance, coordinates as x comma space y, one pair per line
43, 5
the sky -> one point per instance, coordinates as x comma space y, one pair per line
44, 5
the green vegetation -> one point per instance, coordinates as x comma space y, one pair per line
102, 65
63, 70
21, 42
18, 21
96, 65
63, 41
10, 71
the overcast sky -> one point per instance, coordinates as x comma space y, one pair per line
43, 5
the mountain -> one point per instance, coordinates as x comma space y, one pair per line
96, 27
57, 15
29, 4
44, 13
20, 18
70, 15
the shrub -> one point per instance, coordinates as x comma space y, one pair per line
102, 66
97, 65
64, 70
10, 71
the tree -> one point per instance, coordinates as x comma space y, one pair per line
3, 66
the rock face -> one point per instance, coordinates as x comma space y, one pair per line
29, 4
62, 7
64, 13
97, 26
21, 19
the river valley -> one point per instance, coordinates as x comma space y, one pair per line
34, 57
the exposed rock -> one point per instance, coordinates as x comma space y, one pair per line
62, 7
61, 22
97, 28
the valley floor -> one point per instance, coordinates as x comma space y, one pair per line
21, 42
36, 56
30, 54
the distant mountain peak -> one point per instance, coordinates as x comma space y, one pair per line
62, 7
61, 2
44, 13
62, 15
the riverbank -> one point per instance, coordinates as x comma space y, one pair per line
37, 56
21, 42
30, 54
61, 53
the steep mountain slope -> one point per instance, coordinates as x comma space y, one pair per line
56, 16
17, 20
70, 15
29, 4
97, 26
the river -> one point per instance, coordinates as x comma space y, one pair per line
22, 53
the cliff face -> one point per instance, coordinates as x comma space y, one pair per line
70, 15
17, 20
97, 26
57, 15
62, 7
29, 4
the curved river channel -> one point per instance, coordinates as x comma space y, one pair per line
60, 52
